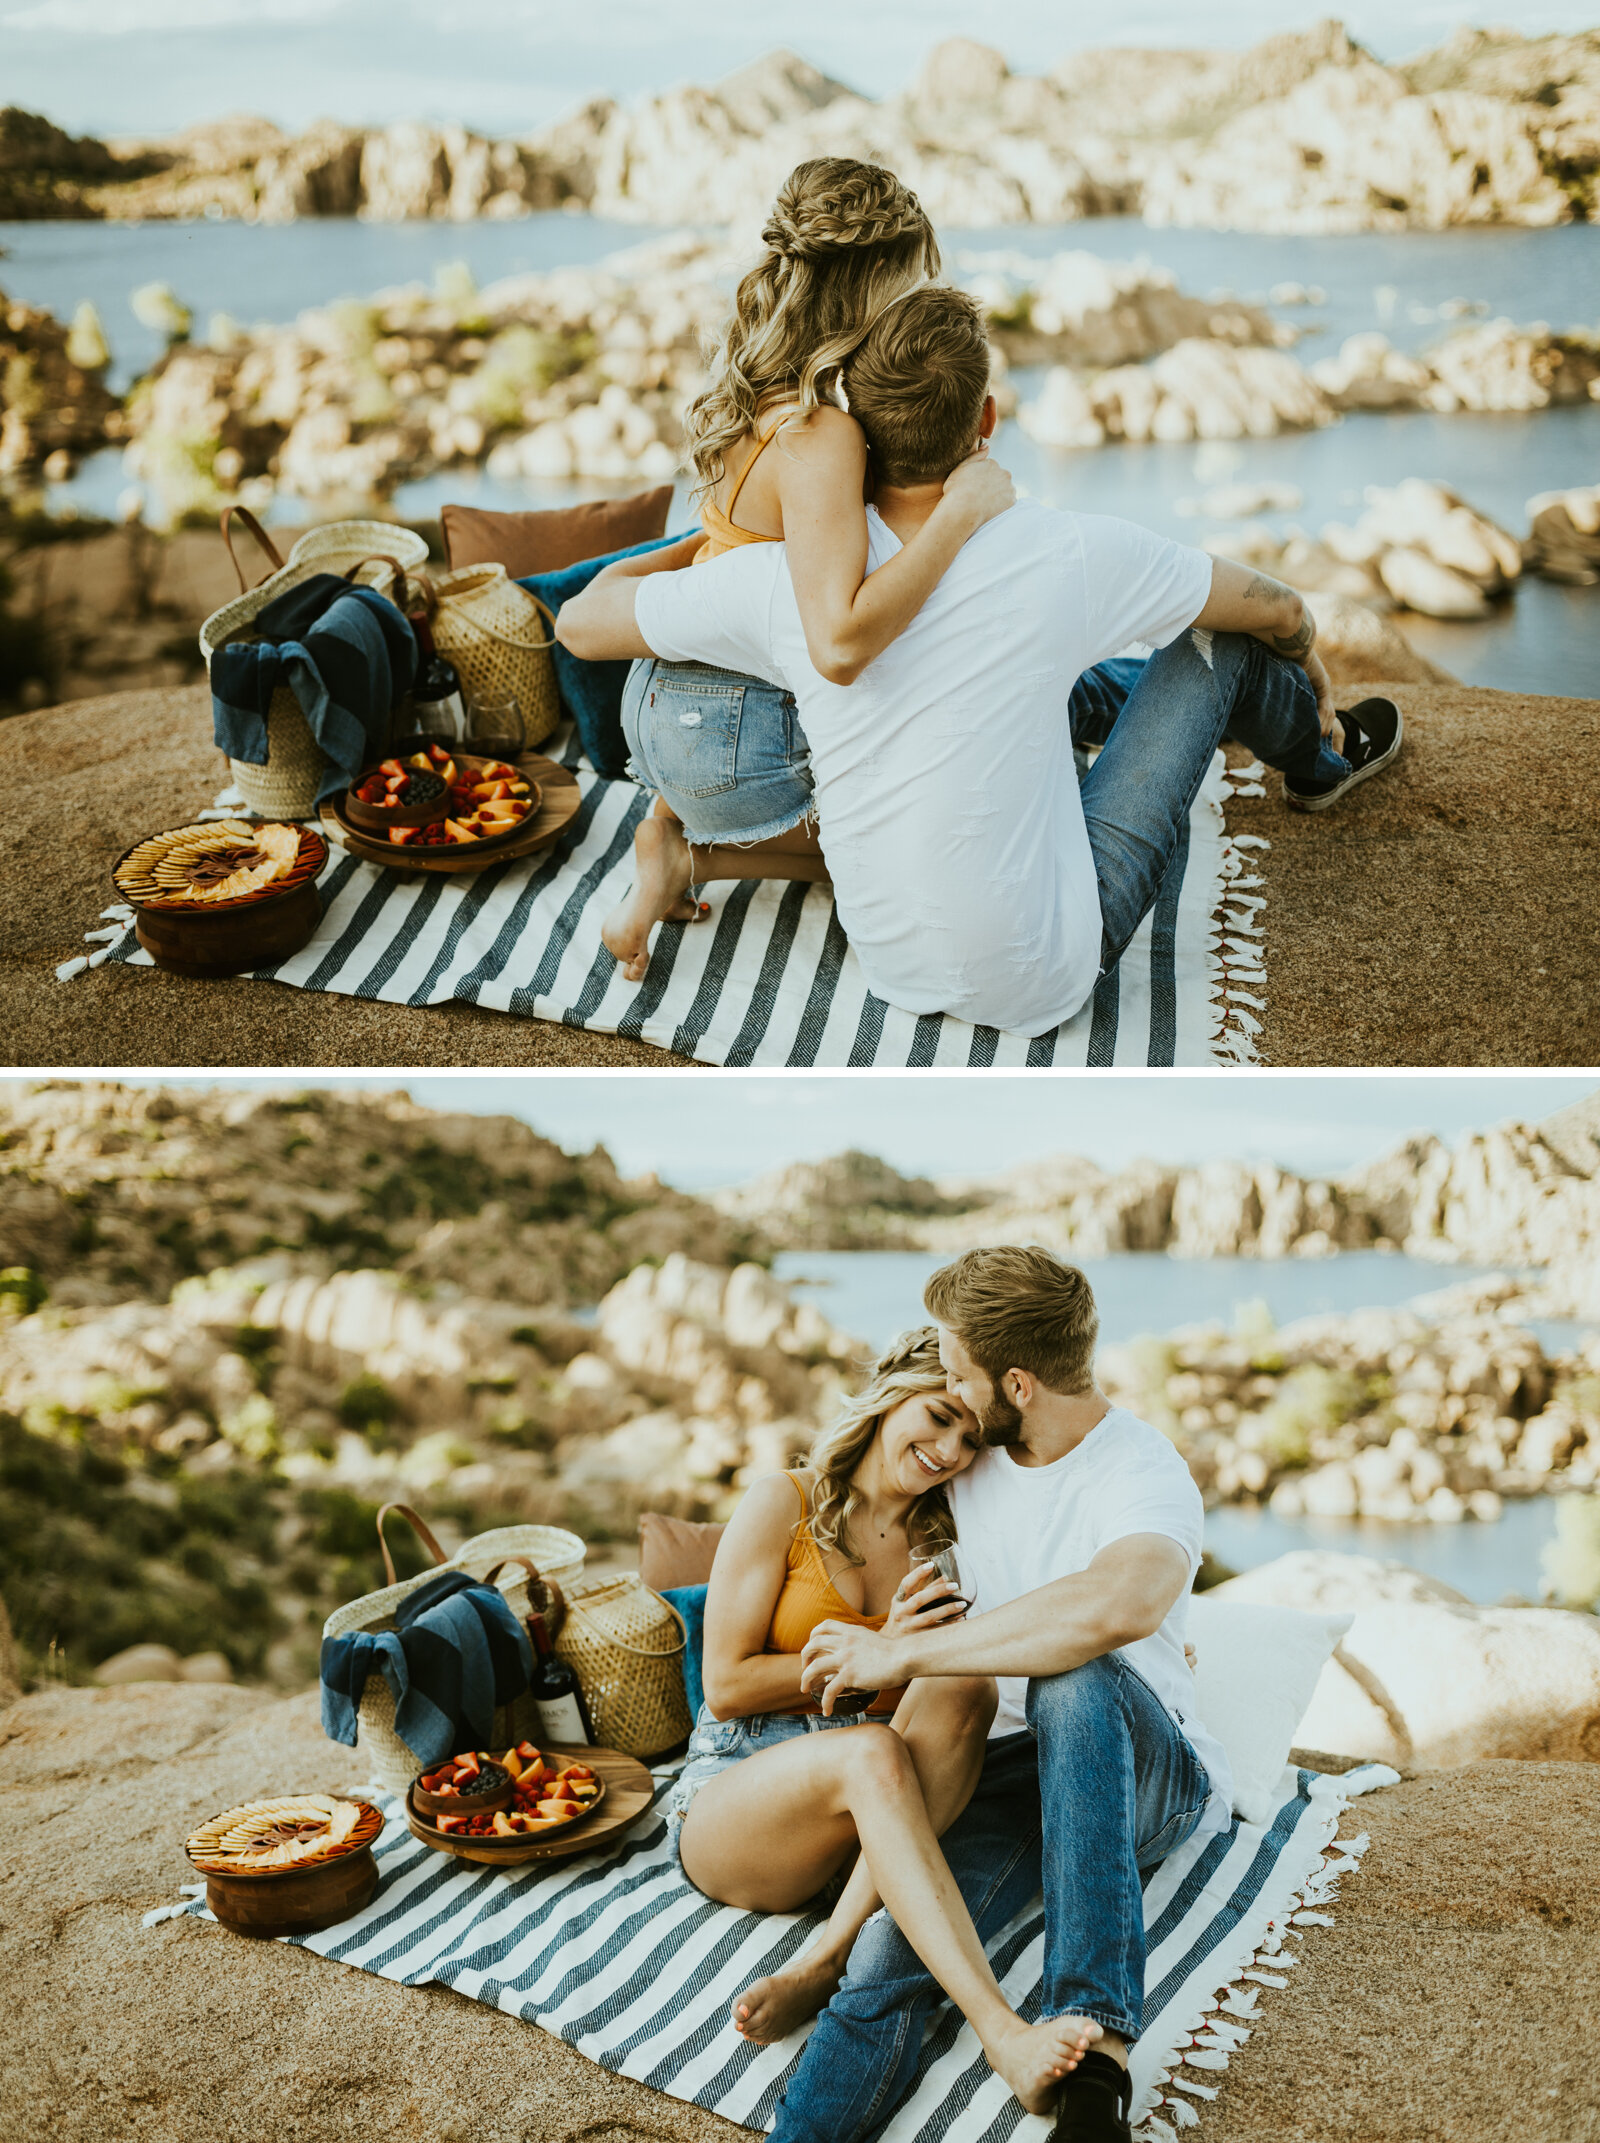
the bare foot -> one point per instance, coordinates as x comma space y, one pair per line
661, 878
1033, 2058
769, 2009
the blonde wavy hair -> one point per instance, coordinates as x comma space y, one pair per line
844, 240
911, 1365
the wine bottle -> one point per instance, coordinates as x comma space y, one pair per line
437, 705
557, 1692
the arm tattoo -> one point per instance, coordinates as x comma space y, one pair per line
1262, 589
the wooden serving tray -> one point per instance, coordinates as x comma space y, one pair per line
628, 1788
558, 801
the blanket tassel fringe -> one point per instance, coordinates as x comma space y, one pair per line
1235, 956
1226, 2027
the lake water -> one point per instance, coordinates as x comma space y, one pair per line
875, 1294
1544, 641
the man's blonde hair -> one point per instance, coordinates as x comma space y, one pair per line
1019, 1308
917, 384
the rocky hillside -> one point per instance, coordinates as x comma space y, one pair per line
1303, 132
1520, 1195
108, 1192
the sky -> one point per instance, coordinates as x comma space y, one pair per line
508, 66
700, 1130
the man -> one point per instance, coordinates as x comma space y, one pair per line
1079, 1531
972, 874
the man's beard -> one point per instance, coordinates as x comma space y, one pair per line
1000, 1421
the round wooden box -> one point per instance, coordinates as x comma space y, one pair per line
296, 1901
235, 936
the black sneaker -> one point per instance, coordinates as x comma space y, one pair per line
1372, 734
1094, 2101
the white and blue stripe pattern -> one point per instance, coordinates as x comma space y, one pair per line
619, 1955
767, 979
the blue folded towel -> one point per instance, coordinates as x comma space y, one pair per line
690, 1601
457, 1653
346, 654
591, 692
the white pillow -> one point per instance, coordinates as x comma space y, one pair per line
1256, 1669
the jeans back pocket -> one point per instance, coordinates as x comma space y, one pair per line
689, 730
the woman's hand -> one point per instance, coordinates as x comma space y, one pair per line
923, 1601
979, 488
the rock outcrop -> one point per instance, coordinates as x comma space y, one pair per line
1303, 132
107, 1192
1517, 1195
50, 403
1426, 1683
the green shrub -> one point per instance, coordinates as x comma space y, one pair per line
21, 1291
1310, 1401
368, 1406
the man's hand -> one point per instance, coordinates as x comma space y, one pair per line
839, 1656
978, 487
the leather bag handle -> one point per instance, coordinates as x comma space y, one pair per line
555, 1607
243, 513
418, 1526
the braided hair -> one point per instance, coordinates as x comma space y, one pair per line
909, 1366
844, 239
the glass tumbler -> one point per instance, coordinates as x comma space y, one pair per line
495, 727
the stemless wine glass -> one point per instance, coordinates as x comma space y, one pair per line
495, 727
948, 1564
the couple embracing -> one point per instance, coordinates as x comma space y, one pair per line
1033, 1728
875, 664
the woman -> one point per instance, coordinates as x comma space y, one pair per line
845, 240
777, 1800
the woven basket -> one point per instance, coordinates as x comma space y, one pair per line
558, 1554
499, 637
286, 787
627, 1645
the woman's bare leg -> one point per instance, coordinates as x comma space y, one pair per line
767, 1833
665, 867
944, 1722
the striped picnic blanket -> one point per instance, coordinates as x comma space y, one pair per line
769, 978
620, 1956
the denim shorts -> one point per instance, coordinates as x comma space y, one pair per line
726, 752
716, 1745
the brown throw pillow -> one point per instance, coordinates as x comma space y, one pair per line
527, 543
676, 1551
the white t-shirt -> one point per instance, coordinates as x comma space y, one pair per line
945, 785
1020, 1527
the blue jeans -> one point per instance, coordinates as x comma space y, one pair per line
1158, 723
1102, 1786
726, 751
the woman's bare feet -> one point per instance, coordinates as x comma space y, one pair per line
769, 2009
662, 875
1033, 2058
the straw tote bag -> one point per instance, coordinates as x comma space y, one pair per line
555, 1554
499, 637
377, 554
627, 1644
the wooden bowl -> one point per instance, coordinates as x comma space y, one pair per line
371, 818
295, 1901
230, 937
463, 1804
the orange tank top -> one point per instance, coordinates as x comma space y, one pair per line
809, 1597
722, 534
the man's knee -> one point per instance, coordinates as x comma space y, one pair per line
883, 1970
1080, 1696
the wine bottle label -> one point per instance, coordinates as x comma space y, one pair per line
560, 1719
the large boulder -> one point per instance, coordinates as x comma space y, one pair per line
1425, 1680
